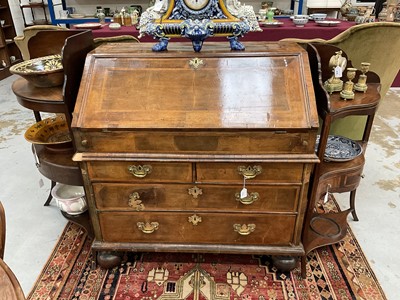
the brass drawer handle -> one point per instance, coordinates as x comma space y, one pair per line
140, 171
244, 229
249, 199
147, 227
135, 202
249, 172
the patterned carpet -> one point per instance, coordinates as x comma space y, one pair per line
334, 272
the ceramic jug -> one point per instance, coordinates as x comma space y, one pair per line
64, 14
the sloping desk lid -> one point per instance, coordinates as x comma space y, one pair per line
127, 86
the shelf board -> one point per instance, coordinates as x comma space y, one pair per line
33, 5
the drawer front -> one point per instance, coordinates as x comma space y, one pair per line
203, 228
178, 197
140, 171
340, 183
251, 142
254, 172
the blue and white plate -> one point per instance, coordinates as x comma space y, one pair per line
340, 148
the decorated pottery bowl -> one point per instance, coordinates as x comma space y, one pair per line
318, 16
70, 198
46, 71
300, 22
51, 132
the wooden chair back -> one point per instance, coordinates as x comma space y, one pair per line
10, 288
74, 53
42, 40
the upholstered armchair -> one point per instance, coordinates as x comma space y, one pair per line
376, 43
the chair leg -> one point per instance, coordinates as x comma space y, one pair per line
303, 266
47, 203
353, 205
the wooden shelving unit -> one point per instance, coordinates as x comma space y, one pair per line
335, 176
9, 52
34, 8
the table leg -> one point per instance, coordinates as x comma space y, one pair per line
47, 203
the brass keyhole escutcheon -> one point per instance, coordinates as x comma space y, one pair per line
195, 219
135, 202
195, 192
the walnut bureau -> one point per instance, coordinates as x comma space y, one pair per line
167, 141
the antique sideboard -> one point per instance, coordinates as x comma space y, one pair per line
197, 152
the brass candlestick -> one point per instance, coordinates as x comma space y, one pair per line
361, 85
347, 92
337, 63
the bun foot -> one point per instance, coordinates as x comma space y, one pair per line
284, 263
108, 260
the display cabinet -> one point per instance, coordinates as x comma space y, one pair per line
36, 10
9, 52
54, 7
344, 173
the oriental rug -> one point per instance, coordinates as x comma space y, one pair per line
334, 272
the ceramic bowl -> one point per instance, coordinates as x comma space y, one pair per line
70, 198
300, 22
318, 17
51, 132
300, 17
46, 71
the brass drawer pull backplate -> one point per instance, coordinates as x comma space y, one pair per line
249, 172
249, 199
147, 227
244, 229
140, 171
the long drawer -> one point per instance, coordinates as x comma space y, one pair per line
178, 197
267, 229
139, 171
250, 142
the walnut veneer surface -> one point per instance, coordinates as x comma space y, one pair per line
164, 146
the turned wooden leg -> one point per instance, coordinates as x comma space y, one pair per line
353, 205
47, 203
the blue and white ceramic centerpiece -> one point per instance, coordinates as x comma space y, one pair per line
197, 20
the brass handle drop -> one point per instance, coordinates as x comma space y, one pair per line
84, 143
139, 170
249, 199
244, 229
249, 172
147, 227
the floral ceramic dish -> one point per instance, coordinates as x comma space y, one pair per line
46, 71
50, 132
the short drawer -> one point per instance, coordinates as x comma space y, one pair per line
140, 171
246, 229
179, 197
263, 172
